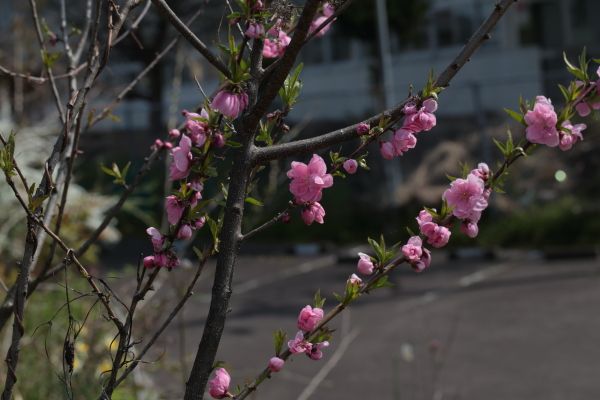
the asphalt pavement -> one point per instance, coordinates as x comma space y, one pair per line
519, 329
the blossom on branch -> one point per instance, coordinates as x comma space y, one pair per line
541, 123
276, 42
313, 212
309, 318
308, 181
230, 104
218, 386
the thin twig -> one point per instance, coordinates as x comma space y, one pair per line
47, 66
188, 294
106, 111
164, 8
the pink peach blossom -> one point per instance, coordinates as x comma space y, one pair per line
570, 135
541, 123
466, 197
309, 318
437, 236
313, 212
424, 217
316, 352
299, 344
182, 159
308, 181
230, 104
174, 209
413, 249
156, 238
365, 265
351, 166
316, 23
328, 10
218, 386
255, 30
424, 262
403, 140
275, 43
482, 171
196, 131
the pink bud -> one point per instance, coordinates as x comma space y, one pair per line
351, 166
363, 128
255, 30
276, 364
285, 218
149, 262
413, 249
199, 223
583, 109
174, 133
219, 385
185, 232
219, 140
309, 318
365, 265
315, 352
409, 108
159, 143
168, 145
430, 105
354, 280
469, 228
424, 262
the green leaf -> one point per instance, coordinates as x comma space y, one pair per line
49, 59
515, 115
279, 337
318, 301
501, 147
214, 231
7, 156
253, 201
381, 282
198, 252
233, 144
376, 248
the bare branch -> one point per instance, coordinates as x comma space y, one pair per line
47, 66
164, 8
188, 294
139, 77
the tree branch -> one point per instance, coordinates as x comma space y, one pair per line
164, 8
305, 146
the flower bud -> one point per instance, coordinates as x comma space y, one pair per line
276, 364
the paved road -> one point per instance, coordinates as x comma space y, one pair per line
512, 330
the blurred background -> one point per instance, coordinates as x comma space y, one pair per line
508, 315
